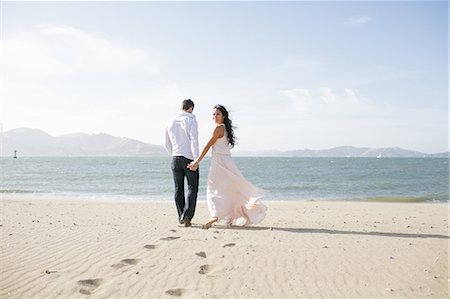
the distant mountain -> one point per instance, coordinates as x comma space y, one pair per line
267, 153
33, 142
346, 151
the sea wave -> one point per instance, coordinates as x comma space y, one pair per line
21, 191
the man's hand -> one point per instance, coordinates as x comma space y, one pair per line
193, 166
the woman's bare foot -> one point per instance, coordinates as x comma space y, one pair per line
209, 223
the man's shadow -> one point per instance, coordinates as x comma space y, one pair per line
332, 231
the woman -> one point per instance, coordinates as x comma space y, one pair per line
229, 195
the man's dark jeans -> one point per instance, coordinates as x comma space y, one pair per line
185, 208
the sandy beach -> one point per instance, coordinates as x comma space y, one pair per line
75, 248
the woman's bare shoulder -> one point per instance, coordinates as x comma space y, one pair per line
219, 130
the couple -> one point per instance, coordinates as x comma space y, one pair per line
229, 195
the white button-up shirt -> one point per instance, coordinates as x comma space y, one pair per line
182, 136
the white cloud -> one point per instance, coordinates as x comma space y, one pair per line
326, 101
301, 98
31, 57
358, 20
61, 50
63, 79
353, 96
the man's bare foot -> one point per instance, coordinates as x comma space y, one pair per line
209, 223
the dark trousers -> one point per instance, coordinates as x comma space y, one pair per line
185, 208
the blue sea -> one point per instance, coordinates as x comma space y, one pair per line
150, 178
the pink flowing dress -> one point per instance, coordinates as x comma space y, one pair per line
229, 195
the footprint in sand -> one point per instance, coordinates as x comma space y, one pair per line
118, 266
130, 261
176, 292
89, 286
150, 246
206, 269
125, 262
169, 238
201, 254
229, 245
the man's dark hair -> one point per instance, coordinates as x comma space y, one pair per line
186, 104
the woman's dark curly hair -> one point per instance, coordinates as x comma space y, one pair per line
228, 125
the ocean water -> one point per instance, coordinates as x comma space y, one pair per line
150, 178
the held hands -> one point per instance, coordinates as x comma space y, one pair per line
193, 166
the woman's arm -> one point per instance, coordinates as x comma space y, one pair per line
219, 131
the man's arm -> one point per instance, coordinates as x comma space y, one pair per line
193, 134
168, 144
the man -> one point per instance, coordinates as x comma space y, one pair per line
182, 145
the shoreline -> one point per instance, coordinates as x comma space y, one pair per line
302, 249
140, 199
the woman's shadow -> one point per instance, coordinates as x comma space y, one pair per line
332, 231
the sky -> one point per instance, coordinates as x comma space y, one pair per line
293, 75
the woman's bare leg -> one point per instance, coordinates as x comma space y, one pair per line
209, 223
